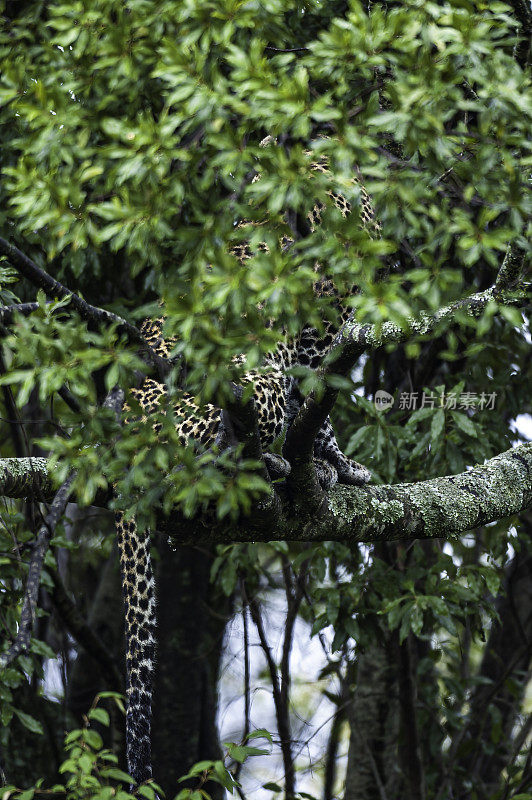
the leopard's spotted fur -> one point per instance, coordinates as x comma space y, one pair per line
277, 400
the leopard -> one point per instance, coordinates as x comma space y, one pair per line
277, 400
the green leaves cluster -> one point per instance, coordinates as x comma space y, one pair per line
52, 348
138, 134
134, 152
218, 772
91, 771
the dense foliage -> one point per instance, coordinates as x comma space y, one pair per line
130, 138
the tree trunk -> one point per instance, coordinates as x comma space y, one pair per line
497, 700
373, 718
191, 624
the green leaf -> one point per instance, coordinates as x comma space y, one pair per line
464, 423
29, 722
260, 733
116, 774
224, 776
437, 425
147, 791
100, 715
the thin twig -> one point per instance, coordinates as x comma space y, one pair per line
246, 730
57, 508
82, 632
283, 721
287, 49
66, 395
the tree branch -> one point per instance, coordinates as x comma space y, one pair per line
281, 708
53, 288
409, 749
27, 478
437, 507
511, 269
7, 313
22, 641
434, 508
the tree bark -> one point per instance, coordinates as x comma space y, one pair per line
28, 478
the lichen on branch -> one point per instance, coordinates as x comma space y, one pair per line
25, 478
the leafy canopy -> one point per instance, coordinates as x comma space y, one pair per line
131, 135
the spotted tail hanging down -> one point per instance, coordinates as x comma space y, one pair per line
138, 587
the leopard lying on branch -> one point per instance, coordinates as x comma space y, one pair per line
277, 400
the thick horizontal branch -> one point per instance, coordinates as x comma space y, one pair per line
438, 507
435, 508
31, 478
54, 289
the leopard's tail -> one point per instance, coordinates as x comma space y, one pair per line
140, 614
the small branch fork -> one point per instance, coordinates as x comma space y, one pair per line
355, 339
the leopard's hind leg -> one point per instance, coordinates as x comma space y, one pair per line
326, 447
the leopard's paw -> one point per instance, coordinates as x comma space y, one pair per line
352, 473
277, 466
